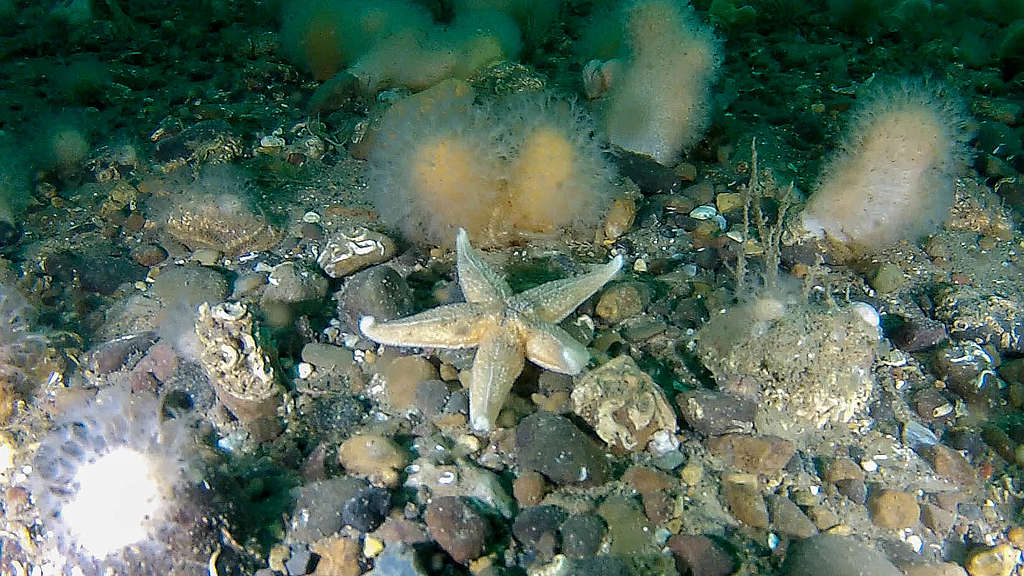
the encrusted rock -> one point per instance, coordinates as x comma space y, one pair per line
753, 454
623, 404
353, 249
226, 223
714, 413
206, 142
238, 367
976, 313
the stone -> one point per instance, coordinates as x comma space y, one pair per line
753, 454
378, 291
181, 287
919, 334
461, 479
317, 512
648, 480
887, 278
295, 283
300, 562
374, 457
951, 465
537, 529
997, 560
402, 376
835, 555
529, 488
353, 249
746, 504
894, 509
366, 509
855, 490
628, 529
937, 519
944, 569
148, 255
459, 529
555, 447
398, 560
622, 300
713, 413
788, 518
431, 397
623, 404
338, 557
842, 469
699, 555
582, 535
327, 357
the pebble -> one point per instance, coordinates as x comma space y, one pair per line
995, 561
713, 413
628, 529
377, 458
746, 504
537, 529
338, 557
379, 292
188, 286
855, 490
431, 397
529, 488
353, 249
887, 278
789, 519
555, 447
648, 480
398, 560
295, 283
894, 509
458, 528
621, 301
937, 519
919, 334
944, 569
951, 465
753, 454
582, 535
318, 505
149, 255
834, 555
402, 377
699, 555
366, 509
327, 357
842, 468
300, 562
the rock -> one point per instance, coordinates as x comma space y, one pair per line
746, 503
995, 561
788, 518
462, 479
894, 509
353, 249
431, 397
529, 488
842, 469
398, 560
623, 404
327, 357
834, 555
699, 555
620, 301
396, 529
537, 529
887, 278
300, 562
375, 457
317, 512
713, 413
148, 255
628, 529
648, 480
555, 447
379, 292
937, 519
951, 465
944, 569
919, 334
188, 286
596, 566
402, 377
338, 557
855, 490
295, 283
111, 356
582, 535
753, 454
459, 529
366, 509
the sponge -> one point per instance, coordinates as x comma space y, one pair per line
892, 177
662, 104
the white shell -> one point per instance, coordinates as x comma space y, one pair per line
704, 212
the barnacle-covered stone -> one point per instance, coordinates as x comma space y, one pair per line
207, 142
353, 249
239, 369
983, 316
226, 224
623, 404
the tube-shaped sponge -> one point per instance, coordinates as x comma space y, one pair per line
892, 177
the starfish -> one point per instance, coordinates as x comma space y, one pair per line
505, 328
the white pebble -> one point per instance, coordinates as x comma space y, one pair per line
304, 370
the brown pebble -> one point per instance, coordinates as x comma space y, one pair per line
134, 222
753, 454
403, 376
789, 519
529, 488
459, 529
647, 480
951, 465
937, 519
996, 561
746, 504
894, 509
842, 469
944, 569
338, 557
311, 231
700, 555
149, 255
375, 457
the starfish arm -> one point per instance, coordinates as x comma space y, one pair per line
479, 282
553, 301
453, 326
552, 348
498, 362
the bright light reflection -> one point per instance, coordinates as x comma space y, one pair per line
117, 494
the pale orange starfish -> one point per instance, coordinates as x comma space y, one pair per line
506, 328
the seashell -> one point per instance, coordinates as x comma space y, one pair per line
704, 212
354, 249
